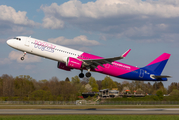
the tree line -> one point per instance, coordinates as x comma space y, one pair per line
25, 88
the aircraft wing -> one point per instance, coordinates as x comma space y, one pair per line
95, 62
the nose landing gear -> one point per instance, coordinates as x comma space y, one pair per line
23, 57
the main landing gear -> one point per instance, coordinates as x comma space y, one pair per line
23, 57
88, 74
81, 75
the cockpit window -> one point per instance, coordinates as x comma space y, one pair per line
17, 38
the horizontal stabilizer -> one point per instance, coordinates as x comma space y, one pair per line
161, 76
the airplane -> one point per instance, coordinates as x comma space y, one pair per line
68, 59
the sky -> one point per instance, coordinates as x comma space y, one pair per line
106, 28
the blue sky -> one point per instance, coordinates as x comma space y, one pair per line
149, 28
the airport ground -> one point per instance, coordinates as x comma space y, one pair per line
85, 106
89, 117
89, 109
89, 112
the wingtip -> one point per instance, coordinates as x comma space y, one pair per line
126, 53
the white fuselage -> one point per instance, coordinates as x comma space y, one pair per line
43, 49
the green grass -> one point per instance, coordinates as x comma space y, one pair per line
89, 117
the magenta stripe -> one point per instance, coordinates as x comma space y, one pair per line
115, 69
164, 56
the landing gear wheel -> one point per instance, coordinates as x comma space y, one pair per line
88, 74
22, 58
81, 75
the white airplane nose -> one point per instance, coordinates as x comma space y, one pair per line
10, 42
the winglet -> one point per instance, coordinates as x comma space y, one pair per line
125, 54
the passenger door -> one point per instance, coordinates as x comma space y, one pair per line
27, 42
28, 45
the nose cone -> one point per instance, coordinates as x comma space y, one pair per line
10, 42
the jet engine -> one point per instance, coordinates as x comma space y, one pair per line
74, 63
63, 66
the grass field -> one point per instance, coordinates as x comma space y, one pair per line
89, 117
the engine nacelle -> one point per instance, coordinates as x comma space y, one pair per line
74, 63
63, 66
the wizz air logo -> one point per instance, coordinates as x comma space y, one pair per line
44, 46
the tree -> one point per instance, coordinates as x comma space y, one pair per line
41, 95
7, 85
99, 82
44, 84
85, 80
139, 91
67, 79
93, 84
125, 90
172, 86
1, 86
88, 87
78, 86
174, 95
149, 88
124, 84
159, 93
69, 91
132, 86
108, 83
23, 86
157, 85
75, 80
119, 86
54, 86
